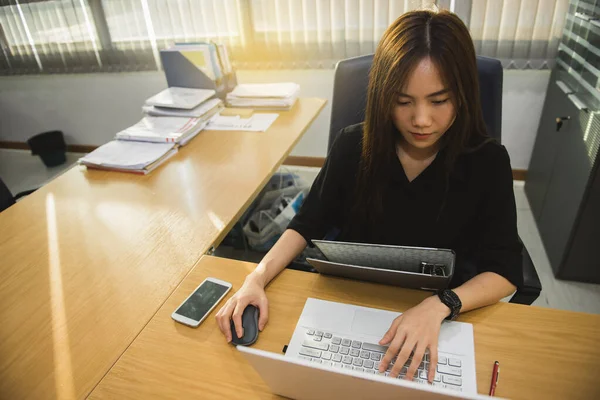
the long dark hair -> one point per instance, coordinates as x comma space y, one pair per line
441, 36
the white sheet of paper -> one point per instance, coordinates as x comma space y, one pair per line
256, 123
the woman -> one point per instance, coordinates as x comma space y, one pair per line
420, 171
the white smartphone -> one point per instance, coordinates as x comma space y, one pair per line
201, 302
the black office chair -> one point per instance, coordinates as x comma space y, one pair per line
6, 197
348, 108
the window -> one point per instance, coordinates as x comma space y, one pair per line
55, 36
47, 36
138, 29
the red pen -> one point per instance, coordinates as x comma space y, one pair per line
495, 374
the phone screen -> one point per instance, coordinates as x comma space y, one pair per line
201, 301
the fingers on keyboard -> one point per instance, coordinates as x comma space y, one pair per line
349, 354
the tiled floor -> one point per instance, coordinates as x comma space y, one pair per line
556, 293
21, 171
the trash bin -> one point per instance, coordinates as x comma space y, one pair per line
50, 146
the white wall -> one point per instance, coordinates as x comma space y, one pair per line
522, 101
91, 108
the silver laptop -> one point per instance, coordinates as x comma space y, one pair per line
334, 344
410, 267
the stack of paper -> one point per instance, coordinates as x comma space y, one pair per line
136, 157
180, 98
203, 111
274, 96
163, 130
172, 117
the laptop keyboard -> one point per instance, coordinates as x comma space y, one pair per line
343, 352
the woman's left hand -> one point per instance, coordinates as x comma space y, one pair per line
416, 330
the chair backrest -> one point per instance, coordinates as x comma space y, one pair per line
6, 197
352, 79
348, 108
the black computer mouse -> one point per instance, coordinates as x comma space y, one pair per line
250, 325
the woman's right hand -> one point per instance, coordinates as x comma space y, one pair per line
251, 292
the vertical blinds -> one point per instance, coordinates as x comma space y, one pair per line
47, 36
521, 33
121, 35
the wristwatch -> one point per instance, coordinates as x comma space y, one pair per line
451, 300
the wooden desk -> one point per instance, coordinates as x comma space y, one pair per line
87, 260
543, 353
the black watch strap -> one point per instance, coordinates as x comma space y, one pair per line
451, 300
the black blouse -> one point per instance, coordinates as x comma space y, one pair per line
476, 216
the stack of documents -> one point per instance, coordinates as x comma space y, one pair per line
180, 98
135, 157
203, 111
174, 115
274, 96
163, 130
